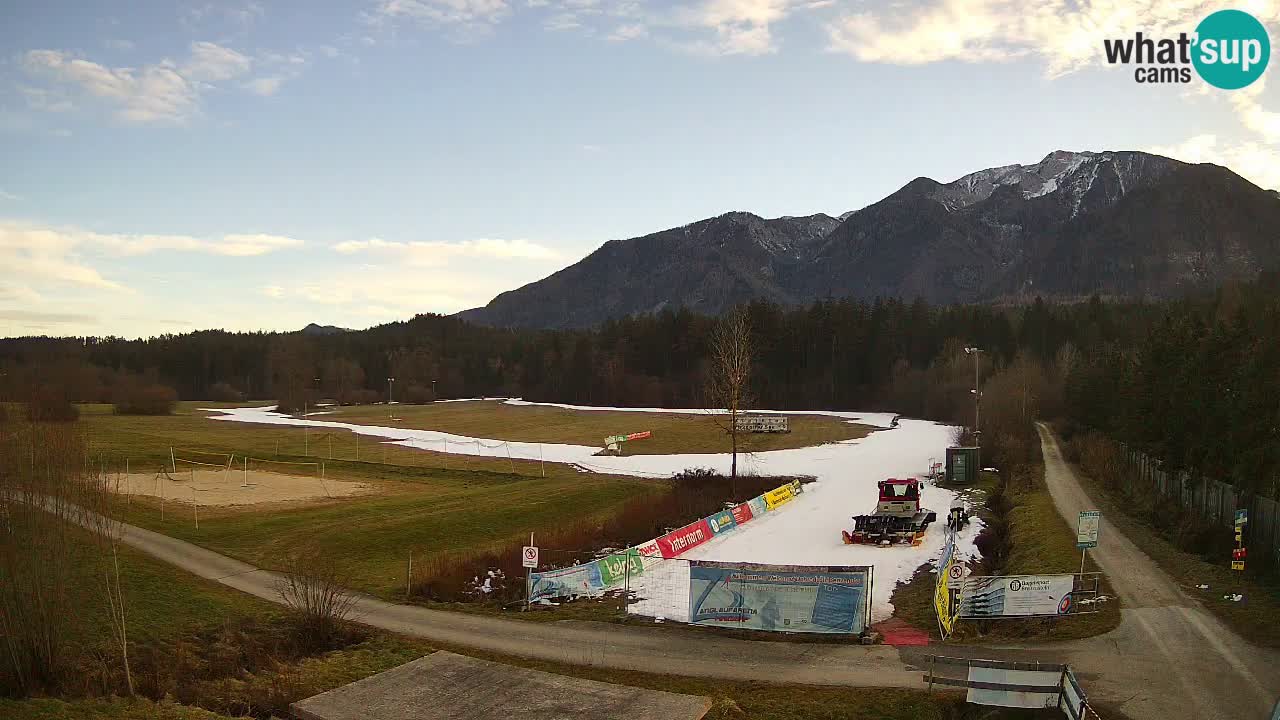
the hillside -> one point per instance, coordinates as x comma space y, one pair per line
1074, 224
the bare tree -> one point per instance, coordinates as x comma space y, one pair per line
728, 382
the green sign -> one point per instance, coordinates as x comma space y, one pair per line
613, 568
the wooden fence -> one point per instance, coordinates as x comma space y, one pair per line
1212, 500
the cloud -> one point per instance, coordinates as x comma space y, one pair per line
45, 319
264, 86
431, 253
1258, 163
228, 245
118, 44
633, 31
273, 291
8, 195
1066, 34
211, 62
166, 92
37, 254
443, 12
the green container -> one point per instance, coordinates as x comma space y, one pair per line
963, 464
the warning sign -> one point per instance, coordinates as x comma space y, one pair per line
529, 556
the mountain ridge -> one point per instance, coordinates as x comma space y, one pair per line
1121, 223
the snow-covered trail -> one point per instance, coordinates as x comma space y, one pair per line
806, 531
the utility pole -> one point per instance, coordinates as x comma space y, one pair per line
977, 394
390, 382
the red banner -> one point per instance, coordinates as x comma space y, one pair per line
640, 435
679, 541
742, 513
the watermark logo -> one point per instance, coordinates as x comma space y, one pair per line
1229, 49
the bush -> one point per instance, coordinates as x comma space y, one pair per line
49, 405
225, 392
138, 397
417, 395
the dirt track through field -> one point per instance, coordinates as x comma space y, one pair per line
1188, 663
1168, 660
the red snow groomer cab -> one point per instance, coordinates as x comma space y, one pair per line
898, 518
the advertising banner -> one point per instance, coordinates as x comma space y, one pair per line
742, 513
758, 506
784, 598
687, 537
1017, 596
946, 601
613, 568
568, 582
778, 496
722, 521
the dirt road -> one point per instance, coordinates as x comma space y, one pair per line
1169, 658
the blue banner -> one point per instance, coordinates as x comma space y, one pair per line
722, 522
782, 598
569, 582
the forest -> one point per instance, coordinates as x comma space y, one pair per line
1195, 381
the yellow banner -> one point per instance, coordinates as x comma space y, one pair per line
779, 496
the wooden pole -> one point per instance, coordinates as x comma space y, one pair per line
408, 579
541, 461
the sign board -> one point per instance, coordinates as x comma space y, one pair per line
529, 556
785, 598
1017, 596
576, 581
1087, 529
761, 423
1002, 697
1237, 555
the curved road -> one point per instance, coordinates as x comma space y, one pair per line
1168, 659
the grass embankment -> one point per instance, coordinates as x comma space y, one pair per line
1254, 617
672, 432
1023, 535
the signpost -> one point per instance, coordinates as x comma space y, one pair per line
529, 559
1237, 554
1087, 533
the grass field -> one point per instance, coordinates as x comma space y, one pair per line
417, 508
672, 433
168, 608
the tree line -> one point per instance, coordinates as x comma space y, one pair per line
1193, 381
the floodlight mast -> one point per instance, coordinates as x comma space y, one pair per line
390, 382
977, 393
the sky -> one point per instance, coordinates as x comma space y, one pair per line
262, 165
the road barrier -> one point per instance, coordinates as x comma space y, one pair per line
1005, 683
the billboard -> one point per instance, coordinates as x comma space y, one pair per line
1017, 596
686, 538
722, 521
1087, 529
569, 582
785, 598
742, 513
946, 590
614, 569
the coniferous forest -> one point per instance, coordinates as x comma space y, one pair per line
1192, 381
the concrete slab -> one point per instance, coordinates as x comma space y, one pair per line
445, 686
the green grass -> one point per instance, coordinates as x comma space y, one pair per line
1041, 543
672, 432
417, 509
1254, 618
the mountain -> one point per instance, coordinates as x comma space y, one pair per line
314, 329
1071, 225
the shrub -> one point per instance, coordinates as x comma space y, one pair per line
138, 397
46, 404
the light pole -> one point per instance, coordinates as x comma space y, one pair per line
977, 394
306, 429
390, 381
434, 396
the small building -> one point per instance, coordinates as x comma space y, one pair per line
762, 423
963, 464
